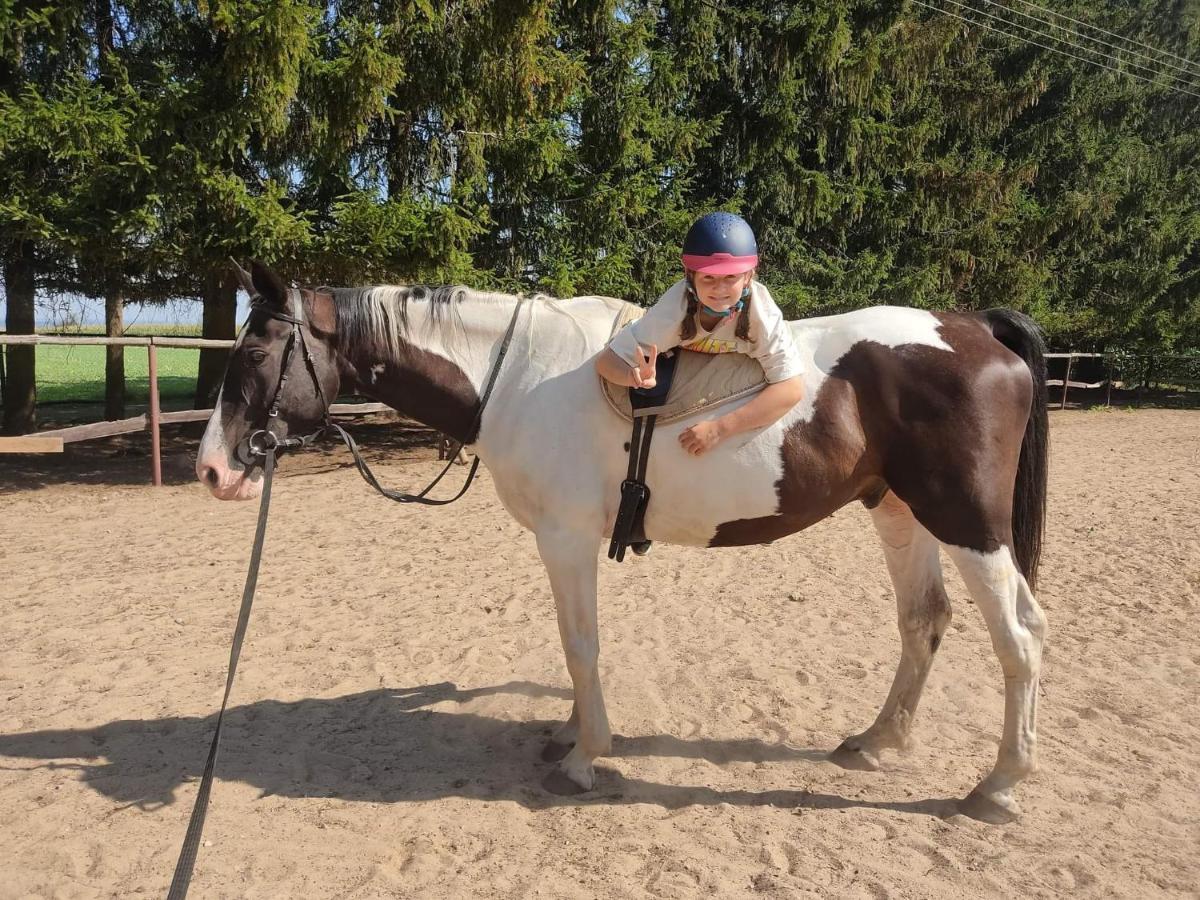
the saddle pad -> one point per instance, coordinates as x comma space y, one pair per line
702, 380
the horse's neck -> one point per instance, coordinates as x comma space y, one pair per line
435, 367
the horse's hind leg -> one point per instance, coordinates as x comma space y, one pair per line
923, 614
570, 560
564, 737
1018, 628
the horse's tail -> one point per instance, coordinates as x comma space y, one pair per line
1022, 336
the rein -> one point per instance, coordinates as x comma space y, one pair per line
263, 444
265, 439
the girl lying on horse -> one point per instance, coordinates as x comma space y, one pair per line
717, 307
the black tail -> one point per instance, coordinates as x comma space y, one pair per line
1022, 336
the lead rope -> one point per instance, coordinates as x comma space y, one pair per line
266, 448
191, 841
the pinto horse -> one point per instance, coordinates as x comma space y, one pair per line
936, 422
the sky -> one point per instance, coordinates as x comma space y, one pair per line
59, 311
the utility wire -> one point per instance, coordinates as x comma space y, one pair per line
943, 11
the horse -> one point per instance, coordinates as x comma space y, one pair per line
935, 421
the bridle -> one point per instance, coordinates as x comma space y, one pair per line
255, 447
252, 449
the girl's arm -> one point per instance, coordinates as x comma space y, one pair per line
767, 408
624, 360
612, 368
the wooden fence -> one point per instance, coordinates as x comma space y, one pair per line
1066, 381
53, 441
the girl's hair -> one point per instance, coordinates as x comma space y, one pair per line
688, 330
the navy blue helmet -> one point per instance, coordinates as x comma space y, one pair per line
720, 243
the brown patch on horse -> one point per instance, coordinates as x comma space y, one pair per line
424, 386
953, 444
942, 430
874, 495
826, 464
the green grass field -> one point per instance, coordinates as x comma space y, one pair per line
75, 374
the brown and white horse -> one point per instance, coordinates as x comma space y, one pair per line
935, 421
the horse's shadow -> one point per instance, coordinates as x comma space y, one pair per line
388, 746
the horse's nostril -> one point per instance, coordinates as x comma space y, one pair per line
210, 476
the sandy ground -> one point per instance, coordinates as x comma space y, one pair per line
403, 669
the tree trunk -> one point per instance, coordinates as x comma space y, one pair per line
114, 356
220, 323
20, 391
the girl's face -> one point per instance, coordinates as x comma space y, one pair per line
720, 292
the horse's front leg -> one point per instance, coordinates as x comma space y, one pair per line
570, 559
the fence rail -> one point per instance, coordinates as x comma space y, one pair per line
1117, 369
150, 341
1187, 371
52, 441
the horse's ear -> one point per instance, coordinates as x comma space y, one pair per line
243, 277
268, 285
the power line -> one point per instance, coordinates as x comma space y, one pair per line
939, 9
1088, 37
1120, 37
1061, 40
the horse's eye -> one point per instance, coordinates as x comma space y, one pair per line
257, 357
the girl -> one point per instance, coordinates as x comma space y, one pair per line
718, 307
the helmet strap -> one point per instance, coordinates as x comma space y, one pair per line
724, 313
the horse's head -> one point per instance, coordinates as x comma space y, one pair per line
282, 375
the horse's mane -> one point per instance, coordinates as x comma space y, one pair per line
378, 317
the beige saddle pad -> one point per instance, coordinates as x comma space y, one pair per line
702, 380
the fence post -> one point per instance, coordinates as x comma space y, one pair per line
1111, 371
155, 443
1066, 381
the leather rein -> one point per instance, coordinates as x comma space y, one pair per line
255, 446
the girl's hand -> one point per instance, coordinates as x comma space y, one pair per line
701, 437
643, 375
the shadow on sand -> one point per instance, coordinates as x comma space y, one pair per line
389, 746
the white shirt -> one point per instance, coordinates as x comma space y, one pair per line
770, 338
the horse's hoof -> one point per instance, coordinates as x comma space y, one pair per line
554, 751
849, 756
557, 782
988, 809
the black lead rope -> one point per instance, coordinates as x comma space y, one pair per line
191, 842
264, 443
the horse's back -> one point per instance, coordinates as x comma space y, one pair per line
827, 339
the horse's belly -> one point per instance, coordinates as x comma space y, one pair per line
692, 496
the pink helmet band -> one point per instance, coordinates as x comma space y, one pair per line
720, 263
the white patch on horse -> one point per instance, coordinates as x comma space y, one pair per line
1017, 627
824, 341
213, 447
377, 370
